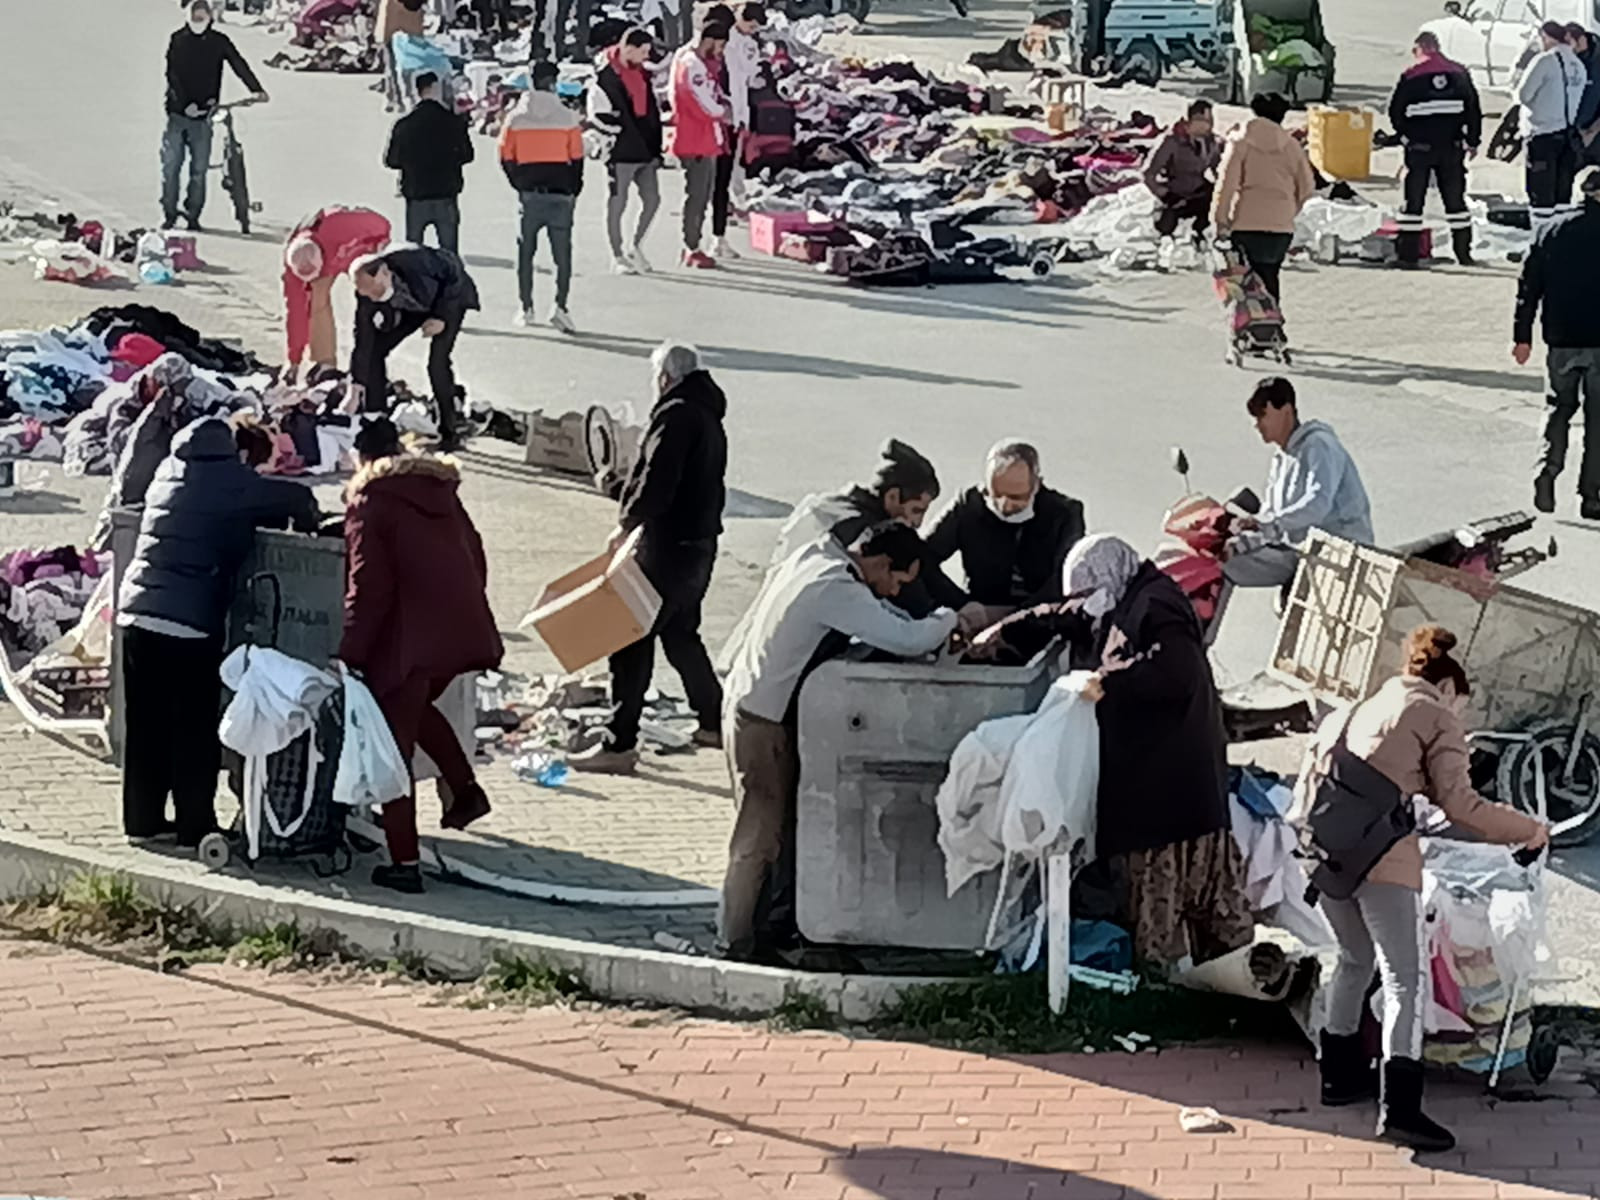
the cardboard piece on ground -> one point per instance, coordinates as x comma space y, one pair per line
557, 443
597, 609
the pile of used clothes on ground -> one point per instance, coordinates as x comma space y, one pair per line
894, 165
67, 250
332, 35
55, 611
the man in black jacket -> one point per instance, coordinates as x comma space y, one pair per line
1013, 536
200, 516
397, 293
675, 495
1559, 277
429, 146
623, 106
195, 57
1435, 110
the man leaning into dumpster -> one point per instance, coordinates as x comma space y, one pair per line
810, 607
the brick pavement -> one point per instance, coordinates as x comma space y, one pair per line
241, 1084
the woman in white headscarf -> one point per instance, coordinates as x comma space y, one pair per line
1163, 811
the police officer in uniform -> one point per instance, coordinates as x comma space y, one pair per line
1435, 111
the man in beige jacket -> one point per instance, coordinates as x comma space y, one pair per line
1266, 180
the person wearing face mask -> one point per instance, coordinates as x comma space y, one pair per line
1410, 731
399, 292
195, 57
1012, 536
1312, 483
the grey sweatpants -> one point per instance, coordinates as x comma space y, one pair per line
1380, 927
699, 179
647, 178
1266, 566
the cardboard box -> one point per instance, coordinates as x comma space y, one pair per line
597, 609
557, 443
767, 228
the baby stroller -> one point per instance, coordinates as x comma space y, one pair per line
1255, 322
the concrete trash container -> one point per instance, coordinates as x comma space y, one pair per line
875, 744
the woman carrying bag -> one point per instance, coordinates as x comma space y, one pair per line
1409, 739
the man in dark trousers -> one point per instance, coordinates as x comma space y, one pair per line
429, 146
397, 293
1436, 112
1559, 278
675, 495
195, 57
623, 106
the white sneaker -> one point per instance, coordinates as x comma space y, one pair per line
523, 317
561, 322
722, 249
621, 266
641, 264
1165, 252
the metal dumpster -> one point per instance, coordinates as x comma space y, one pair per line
875, 744
290, 596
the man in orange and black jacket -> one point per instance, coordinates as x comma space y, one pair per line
541, 149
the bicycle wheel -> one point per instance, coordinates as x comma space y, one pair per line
1574, 798
237, 186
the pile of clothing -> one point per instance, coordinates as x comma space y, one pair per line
333, 36
44, 592
888, 149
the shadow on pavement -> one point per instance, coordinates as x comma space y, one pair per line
38, 504
1380, 372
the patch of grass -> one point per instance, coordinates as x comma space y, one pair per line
802, 1010
1011, 1014
512, 979
97, 908
280, 944
413, 965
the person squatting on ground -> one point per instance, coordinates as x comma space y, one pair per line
429, 146
1182, 174
1266, 180
1551, 95
319, 250
1436, 112
623, 107
416, 616
809, 608
1411, 732
1312, 483
195, 57
399, 292
1559, 277
675, 495
700, 132
201, 513
1013, 534
541, 150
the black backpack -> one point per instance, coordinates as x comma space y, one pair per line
1357, 816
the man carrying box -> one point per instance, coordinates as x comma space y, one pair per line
810, 606
675, 495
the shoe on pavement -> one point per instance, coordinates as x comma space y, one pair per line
1166, 250
601, 759
1544, 493
722, 248
621, 266
192, 224
709, 738
1589, 510
169, 222
471, 805
523, 317
561, 321
640, 263
1401, 1119
699, 260
399, 877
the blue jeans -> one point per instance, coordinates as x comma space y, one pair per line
445, 217
551, 212
191, 135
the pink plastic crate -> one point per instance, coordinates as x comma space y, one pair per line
767, 229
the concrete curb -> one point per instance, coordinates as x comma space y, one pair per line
30, 865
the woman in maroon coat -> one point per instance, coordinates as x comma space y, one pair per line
416, 616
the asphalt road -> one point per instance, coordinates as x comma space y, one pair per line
1105, 375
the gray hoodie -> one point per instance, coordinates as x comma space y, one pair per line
1552, 91
1313, 484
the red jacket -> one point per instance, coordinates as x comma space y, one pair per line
415, 602
700, 112
343, 235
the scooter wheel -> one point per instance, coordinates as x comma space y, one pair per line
214, 851
1575, 799
1043, 266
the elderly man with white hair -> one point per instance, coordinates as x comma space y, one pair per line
319, 250
675, 496
1013, 535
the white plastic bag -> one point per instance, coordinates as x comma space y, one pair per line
371, 769
1053, 777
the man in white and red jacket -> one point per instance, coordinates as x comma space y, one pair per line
700, 123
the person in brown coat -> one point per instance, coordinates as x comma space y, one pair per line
1411, 731
416, 616
395, 16
1266, 180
